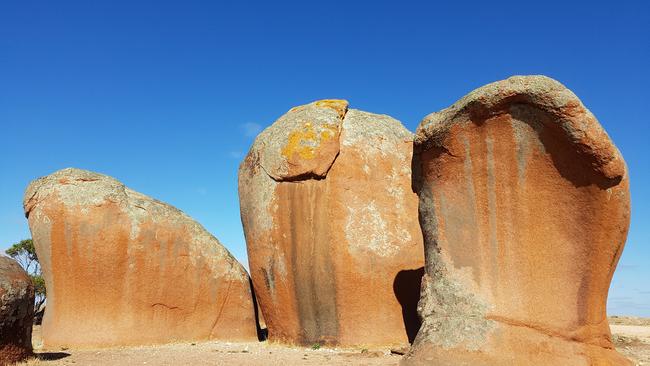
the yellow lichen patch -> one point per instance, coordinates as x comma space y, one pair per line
326, 135
339, 105
306, 141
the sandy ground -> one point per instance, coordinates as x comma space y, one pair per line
631, 336
210, 353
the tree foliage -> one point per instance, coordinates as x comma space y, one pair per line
25, 254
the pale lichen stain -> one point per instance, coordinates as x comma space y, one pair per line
526, 135
395, 187
366, 229
297, 108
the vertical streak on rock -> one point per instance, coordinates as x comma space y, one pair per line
479, 236
315, 290
68, 238
269, 274
492, 211
472, 211
222, 306
522, 147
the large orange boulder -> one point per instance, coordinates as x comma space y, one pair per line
330, 219
524, 207
16, 312
122, 268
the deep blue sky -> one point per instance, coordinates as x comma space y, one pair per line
167, 97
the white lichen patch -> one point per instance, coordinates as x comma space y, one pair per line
73, 187
375, 134
367, 230
396, 192
281, 264
395, 187
256, 194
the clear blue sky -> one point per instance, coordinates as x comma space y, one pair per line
167, 97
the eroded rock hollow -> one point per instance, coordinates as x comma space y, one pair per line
524, 207
122, 268
330, 219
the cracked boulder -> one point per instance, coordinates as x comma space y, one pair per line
330, 219
122, 268
16, 312
524, 208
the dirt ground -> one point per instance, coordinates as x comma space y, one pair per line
631, 336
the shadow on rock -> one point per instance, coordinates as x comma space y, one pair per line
407, 291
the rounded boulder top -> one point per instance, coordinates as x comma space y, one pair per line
303, 142
537, 91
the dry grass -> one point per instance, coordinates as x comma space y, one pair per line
31, 362
628, 320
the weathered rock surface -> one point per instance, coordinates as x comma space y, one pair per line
330, 220
122, 268
524, 207
16, 312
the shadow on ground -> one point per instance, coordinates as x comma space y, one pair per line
51, 356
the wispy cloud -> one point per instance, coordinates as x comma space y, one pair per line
627, 267
251, 129
236, 154
628, 305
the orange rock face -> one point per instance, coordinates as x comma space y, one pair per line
524, 207
124, 269
330, 220
16, 312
